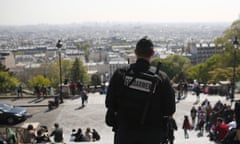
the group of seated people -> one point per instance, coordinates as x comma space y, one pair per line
41, 136
88, 135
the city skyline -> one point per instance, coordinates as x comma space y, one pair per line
30, 12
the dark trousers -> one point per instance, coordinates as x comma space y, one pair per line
126, 136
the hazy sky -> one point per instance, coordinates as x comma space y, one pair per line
22, 12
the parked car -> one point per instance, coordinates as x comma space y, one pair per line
10, 114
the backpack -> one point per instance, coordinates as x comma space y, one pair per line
139, 88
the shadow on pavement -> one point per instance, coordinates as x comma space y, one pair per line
75, 97
37, 100
79, 108
14, 99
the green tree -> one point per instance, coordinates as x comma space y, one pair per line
226, 41
195, 72
175, 66
52, 73
78, 72
66, 69
8, 83
201, 71
39, 80
75, 71
3, 67
220, 74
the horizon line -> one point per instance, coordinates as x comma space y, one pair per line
115, 22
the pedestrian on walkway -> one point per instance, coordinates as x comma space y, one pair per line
37, 91
43, 91
193, 114
73, 87
201, 119
185, 89
84, 97
19, 91
196, 90
186, 126
180, 90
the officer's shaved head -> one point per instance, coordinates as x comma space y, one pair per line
144, 47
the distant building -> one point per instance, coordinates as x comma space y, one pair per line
25, 59
7, 59
200, 52
115, 64
31, 50
97, 55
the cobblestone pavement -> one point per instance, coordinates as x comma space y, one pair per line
71, 116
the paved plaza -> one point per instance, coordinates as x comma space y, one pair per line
71, 116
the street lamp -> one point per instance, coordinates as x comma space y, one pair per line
235, 44
59, 46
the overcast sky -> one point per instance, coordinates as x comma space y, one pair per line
24, 12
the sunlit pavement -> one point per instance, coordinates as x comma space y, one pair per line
94, 113
72, 116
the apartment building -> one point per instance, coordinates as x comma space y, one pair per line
7, 59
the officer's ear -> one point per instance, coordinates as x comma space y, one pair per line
153, 52
135, 51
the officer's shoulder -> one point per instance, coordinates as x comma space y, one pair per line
123, 69
160, 73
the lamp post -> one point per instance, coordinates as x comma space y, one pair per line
59, 46
235, 44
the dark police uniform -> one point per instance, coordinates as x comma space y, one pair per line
137, 104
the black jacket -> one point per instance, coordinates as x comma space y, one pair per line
162, 102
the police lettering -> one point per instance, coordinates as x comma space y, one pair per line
138, 84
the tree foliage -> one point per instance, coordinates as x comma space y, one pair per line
175, 66
227, 59
39, 80
7, 82
220, 74
66, 69
75, 71
3, 67
78, 72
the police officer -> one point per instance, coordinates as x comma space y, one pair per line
139, 99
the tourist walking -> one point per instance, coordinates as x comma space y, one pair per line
186, 126
193, 114
19, 91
